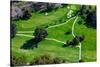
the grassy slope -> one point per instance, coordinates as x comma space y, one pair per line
39, 19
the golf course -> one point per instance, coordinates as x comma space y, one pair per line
62, 24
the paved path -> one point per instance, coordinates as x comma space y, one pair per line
80, 50
25, 32
24, 35
61, 23
73, 34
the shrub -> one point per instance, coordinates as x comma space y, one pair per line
18, 61
46, 59
68, 32
58, 60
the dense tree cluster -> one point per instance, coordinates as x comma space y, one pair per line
89, 15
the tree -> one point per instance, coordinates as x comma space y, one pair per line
12, 30
75, 41
40, 33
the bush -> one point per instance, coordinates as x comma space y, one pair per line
58, 60
18, 61
68, 32
46, 59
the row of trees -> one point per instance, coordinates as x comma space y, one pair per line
23, 10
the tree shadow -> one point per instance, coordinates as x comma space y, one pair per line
30, 44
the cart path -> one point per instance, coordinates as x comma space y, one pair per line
73, 26
73, 34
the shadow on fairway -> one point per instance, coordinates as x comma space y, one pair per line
30, 44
